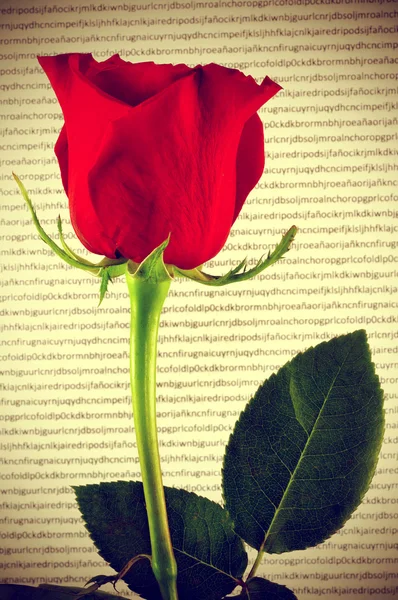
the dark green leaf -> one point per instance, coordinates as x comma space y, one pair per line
209, 555
304, 451
50, 592
261, 589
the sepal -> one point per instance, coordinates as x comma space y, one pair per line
153, 269
239, 273
105, 269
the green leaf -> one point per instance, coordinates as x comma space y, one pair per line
233, 275
260, 589
304, 451
210, 556
50, 592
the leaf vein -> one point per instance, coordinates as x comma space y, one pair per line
325, 398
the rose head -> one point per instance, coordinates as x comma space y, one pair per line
147, 150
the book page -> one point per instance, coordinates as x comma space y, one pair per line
331, 141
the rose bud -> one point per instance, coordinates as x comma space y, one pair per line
149, 150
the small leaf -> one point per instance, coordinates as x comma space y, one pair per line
233, 275
261, 589
303, 452
210, 556
50, 592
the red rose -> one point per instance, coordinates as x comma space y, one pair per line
148, 150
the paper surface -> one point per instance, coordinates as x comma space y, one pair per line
331, 141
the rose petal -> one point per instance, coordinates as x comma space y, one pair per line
149, 175
177, 175
61, 152
87, 111
134, 83
250, 160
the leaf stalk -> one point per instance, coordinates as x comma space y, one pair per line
257, 562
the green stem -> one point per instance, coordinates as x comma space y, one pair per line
146, 300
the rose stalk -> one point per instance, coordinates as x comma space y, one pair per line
146, 300
157, 162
